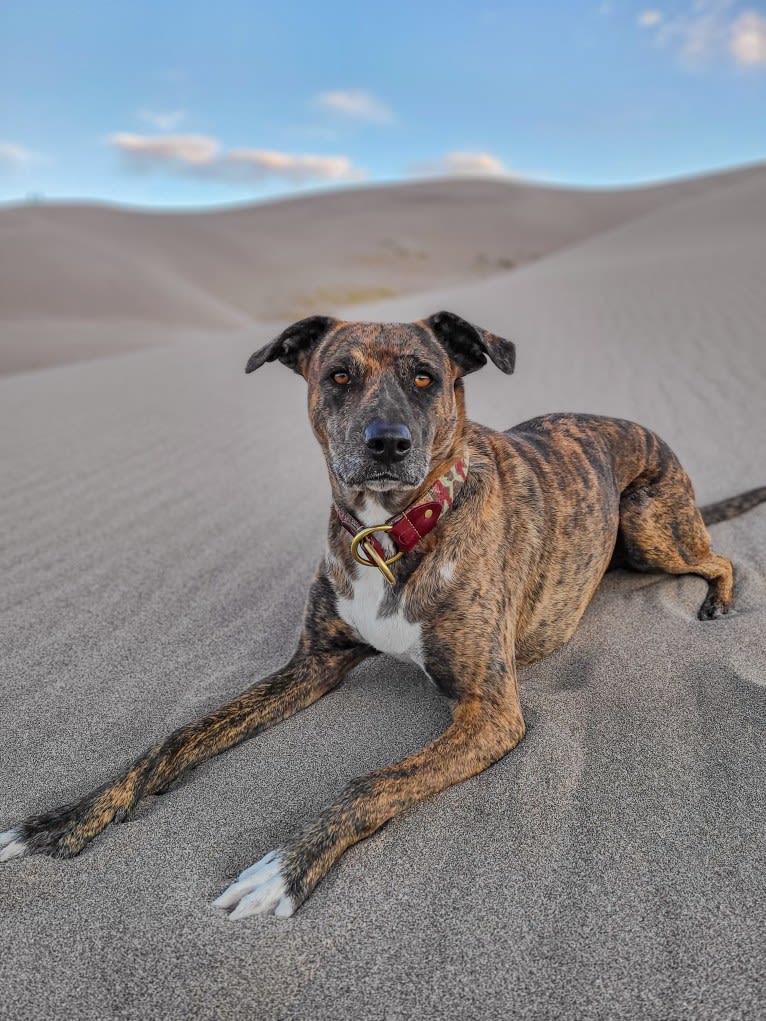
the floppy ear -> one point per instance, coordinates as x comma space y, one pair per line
293, 346
468, 346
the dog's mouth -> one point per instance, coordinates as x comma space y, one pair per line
357, 472
385, 483
378, 482
381, 483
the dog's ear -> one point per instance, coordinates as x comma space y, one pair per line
468, 346
294, 345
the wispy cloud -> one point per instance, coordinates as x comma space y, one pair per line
648, 19
162, 120
13, 156
356, 104
204, 156
709, 30
697, 32
297, 168
748, 40
463, 164
146, 151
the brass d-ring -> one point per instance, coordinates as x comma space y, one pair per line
375, 559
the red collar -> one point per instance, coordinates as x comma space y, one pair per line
408, 527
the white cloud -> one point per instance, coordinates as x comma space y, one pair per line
186, 150
700, 33
202, 155
266, 163
464, 164
711, 29
357, 104
648, 19
748, 39
163, 120
13, 156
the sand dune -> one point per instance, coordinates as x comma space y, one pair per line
661, 319
612, 866
222, 269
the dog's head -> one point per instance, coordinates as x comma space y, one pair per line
385, 399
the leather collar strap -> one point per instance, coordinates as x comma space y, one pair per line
408, 527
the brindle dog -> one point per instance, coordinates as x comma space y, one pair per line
541, 513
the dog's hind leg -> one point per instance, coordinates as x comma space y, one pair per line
661, 529
327, 651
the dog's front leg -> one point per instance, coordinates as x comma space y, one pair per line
482, 731
326, 652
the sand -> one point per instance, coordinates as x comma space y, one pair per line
613, 866
78, 281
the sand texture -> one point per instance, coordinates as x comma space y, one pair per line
612, 867
77, 280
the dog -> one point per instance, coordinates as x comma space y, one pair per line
467, 551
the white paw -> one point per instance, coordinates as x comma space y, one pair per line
11, 845
259, 890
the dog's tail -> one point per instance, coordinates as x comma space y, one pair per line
733, 507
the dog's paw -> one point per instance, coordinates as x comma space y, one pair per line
713, 608
12, 845
40, 834
260, 890
62, 832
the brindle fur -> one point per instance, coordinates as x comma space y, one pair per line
547, 508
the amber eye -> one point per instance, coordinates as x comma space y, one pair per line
341, 378
422, 380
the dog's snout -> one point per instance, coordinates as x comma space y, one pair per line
387, 441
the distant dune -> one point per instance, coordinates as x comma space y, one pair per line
77, 281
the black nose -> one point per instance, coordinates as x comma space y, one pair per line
387, 441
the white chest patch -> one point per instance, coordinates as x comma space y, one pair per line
392, 634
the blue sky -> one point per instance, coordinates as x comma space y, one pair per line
187, 103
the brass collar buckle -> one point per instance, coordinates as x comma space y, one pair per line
373, 558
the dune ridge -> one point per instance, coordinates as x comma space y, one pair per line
67, 264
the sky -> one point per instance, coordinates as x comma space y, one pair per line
181, 103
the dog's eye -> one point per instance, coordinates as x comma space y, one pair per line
341, 378
422, 380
